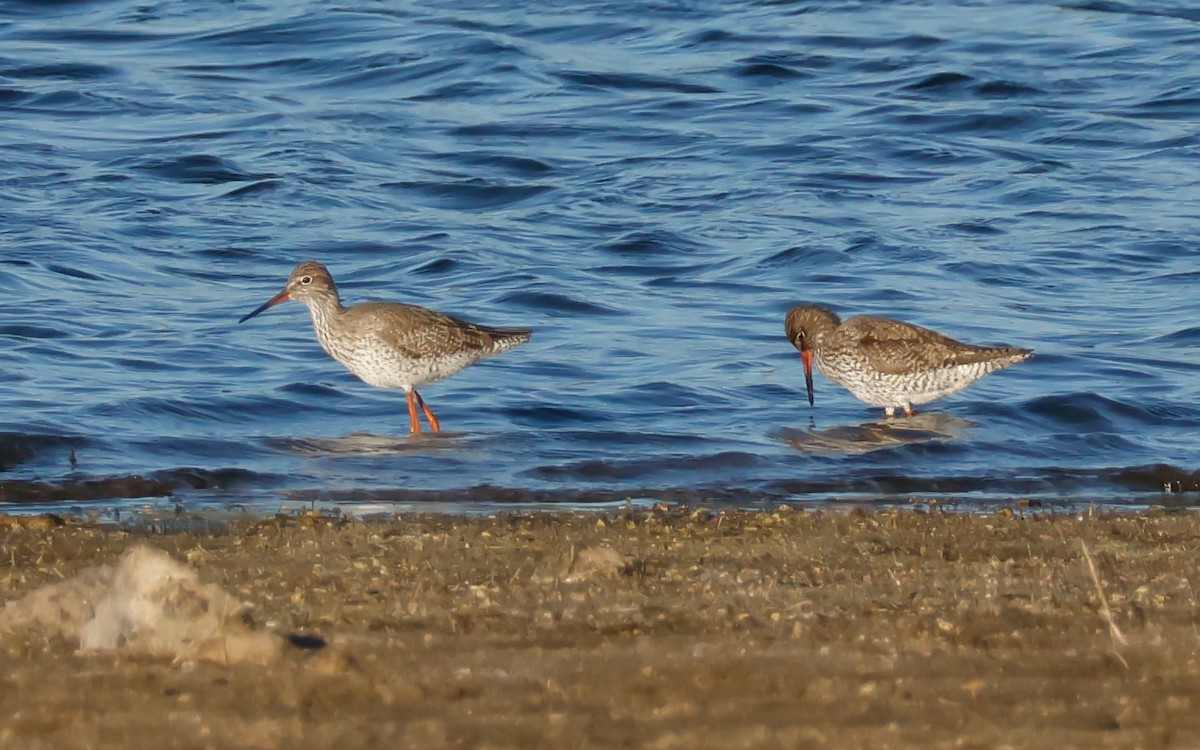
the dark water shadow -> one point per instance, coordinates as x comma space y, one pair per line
165, 483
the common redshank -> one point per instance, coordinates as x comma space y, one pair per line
391, 344
888, 363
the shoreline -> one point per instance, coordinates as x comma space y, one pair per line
1135, 486
663, 627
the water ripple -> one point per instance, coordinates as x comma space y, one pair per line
650, 188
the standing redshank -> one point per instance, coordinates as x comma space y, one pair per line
391, 344
888, 363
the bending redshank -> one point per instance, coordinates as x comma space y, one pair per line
888, 363
391, 344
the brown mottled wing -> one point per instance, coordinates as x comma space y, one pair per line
898, 348
420, 333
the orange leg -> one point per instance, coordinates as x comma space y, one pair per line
414, 424
909, 411
433, 423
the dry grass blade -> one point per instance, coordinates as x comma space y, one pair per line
1114, 632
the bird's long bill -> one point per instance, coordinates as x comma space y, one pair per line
281, 297
806, 355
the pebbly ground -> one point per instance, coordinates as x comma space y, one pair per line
650, 628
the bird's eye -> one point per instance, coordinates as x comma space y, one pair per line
306, 279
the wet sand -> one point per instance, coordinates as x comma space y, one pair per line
648, 628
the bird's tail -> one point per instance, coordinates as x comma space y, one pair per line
504, 339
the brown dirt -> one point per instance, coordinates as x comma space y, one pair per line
662, 629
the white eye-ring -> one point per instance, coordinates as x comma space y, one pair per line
306, 279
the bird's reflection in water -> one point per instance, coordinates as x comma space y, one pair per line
924, 427
366, 444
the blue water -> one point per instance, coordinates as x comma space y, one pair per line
648, 185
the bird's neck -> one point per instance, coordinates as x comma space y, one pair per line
324, 309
